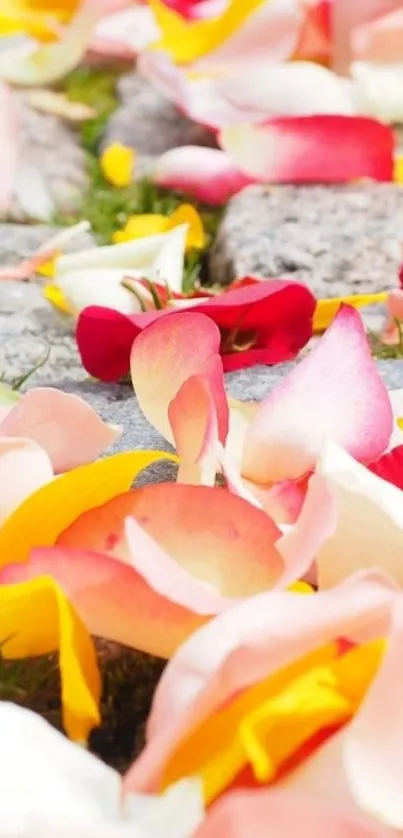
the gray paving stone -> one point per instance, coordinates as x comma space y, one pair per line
148, 122
338, 240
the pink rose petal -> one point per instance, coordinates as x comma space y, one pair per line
347, 17
207, 174
344, 400
65, 426
24, 467
193, 419
312, 149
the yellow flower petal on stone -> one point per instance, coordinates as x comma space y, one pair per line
55, 296
140, 226
326, 310
269, 722
187, 214
117, 163
187, 41
47, 269
36, 18
51, 509
36, 619
398, 169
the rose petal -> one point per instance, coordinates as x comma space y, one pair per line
390, 467
24, 467
346, 18
24, 635
65, 426
193, 419
54, 507
243, 645
9, 147
312, 149
222, 547
346, 401
288, 813
206, 174
368, 520
169, 352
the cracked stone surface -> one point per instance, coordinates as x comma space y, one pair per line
51, 174
148, 122
338, 240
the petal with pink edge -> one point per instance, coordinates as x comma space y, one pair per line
24, 467
347, 19
367, 519
169, 352
289, 814
245, 644
64, 425
212, 535
374, 741
312, 149
193, 420
207, 174
334, 392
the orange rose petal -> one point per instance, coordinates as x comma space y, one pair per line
213, 535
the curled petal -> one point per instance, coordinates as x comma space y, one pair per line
245, 644
222, 548
312, 149
169, 352
65, 426
206, 174
54, 507
348, 403
193, 419
24, 467
23, 635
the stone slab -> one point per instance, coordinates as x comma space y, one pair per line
338, 240
51, 163
148, 122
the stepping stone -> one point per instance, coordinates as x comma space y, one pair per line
338, 240
148, 122
51, 175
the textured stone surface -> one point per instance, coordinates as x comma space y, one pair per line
148, 122
51, 172
338, 240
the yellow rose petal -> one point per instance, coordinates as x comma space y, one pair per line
36, 619
399, 423
398, 169
51, 509
37, 18
117, 163
187, 214
47, 269
187, 41
326, 310
55, 296
140, 226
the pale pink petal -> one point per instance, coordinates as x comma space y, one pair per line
206, 174
9, 147
312, 149
64, 425
245, 644
167, 578
380, 41
334, 392
365, 514
347, 17
396, 400
112, 599
373, 756
167, 353
193, 419
125, 32
24, 467
278, 813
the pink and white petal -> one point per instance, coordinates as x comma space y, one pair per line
129, 31
369, 520
167, 353
111, 598
312, 149
245, 644
167, 578
24, 467
373, 753
64, 425
193, 419
9, 147
294, 89
215, 537
288, 813
207, 174
347, 17
380, 41
344, 400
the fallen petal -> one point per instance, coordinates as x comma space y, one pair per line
24, 467
206, 174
